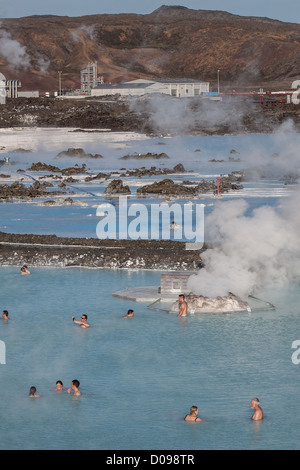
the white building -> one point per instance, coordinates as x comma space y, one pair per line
12, 87
178, 87
2, 89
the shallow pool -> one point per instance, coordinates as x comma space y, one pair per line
140, 376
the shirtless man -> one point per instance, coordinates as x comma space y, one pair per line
129, 314
183, 306
5, 315
75, 387
258, 412
82, 322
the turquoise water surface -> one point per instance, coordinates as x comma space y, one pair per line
266, 184
140, 376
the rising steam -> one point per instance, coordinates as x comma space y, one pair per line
15, 54
250, 252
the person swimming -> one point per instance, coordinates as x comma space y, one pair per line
32, 392
192, 416
82, 322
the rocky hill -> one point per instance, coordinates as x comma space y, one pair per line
170, 42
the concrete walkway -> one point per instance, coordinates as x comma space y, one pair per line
139, 294
147, 294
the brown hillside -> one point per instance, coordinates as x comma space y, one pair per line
170, 42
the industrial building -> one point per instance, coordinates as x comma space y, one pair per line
177, 87
10, 89
89, 78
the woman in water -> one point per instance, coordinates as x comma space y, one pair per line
193, 414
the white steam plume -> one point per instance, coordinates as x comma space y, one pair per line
15, 54
249, 252
88, 31
182, 115
43, 64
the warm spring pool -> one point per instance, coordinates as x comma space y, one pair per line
139, 376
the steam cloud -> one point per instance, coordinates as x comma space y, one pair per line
250, 252
183, 115
15, 54
43, 64
88, 31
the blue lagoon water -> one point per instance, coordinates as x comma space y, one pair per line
272, 152
140, 376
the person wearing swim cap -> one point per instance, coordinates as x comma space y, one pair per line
258, 412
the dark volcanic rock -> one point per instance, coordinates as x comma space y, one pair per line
99, 176
19, 190
77, 152
49, 250
179, 168
145, 156
167, 187
75, 170
116, 187
43, 167
153, 171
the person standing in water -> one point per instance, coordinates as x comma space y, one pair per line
75, 388
193, 415
258, 412
183, 306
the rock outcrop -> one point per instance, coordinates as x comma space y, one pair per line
201, 304
116, 187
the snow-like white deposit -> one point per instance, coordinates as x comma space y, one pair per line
201, 304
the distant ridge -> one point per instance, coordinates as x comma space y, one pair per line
172, 41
